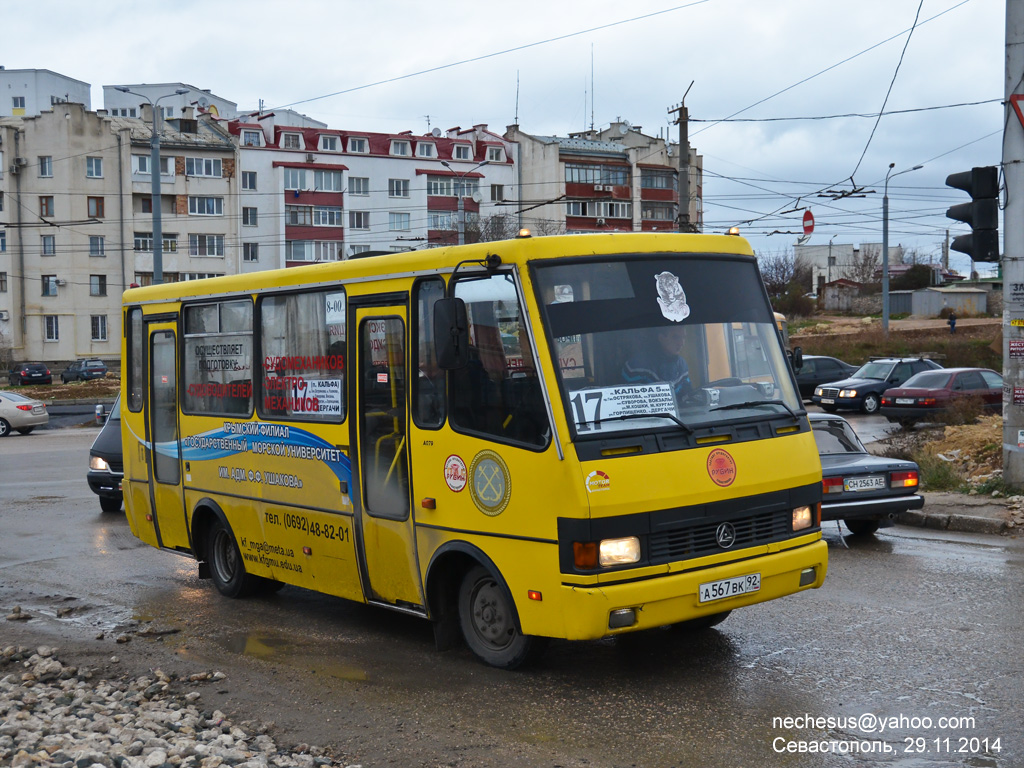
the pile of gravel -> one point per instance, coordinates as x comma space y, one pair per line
52, 714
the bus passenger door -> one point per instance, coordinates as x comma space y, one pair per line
165, 448
382, 448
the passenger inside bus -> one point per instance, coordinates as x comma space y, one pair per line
660, 359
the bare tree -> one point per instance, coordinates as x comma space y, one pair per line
778, 270
865, 265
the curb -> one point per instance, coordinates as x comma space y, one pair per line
953, 522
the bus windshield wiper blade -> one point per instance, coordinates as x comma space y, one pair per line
660, 415
755, 403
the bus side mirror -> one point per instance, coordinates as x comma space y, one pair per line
451, 333
798, 358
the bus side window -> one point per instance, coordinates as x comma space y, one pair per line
498, 393
428, 384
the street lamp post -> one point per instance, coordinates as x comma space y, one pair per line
154, 162
885, 244
462, 209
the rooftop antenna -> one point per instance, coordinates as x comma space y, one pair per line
517, 98
591, 86
428, 122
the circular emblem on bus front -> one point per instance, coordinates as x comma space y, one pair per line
489, 483
721, 467
725, 535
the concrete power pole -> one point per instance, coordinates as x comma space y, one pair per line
1013, 250
682, 120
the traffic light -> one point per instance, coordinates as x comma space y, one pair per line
982, 213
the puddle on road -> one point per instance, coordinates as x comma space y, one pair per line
284, 651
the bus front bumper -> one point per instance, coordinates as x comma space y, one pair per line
591, 612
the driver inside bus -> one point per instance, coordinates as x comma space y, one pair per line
660, 360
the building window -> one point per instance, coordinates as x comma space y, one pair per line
354, 249
463, 152
203, 166
49, 285
46, 166
358, 146
48, 245
3, 241
497, 193
98, 323
614, 210
398, 187
46, 205
51, 328
94, 167
146, 204
124, 112
141, 165
144, 242
206, 206
249, 180
358, 185
582, 173
95, 206
298, 215
249, 216
294, 178
17, 102
424, 150
400, 148
358, 219
97, 245
250, 251
329, 181
655, 211
440, 220
97, 285
3, 282
495, 155
579, 208
657, 179
206, 245
313, 250
251, 138
439, 186
291, 141
327, 216
398, 222
329, 143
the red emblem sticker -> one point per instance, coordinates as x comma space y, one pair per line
721, 467
455, 473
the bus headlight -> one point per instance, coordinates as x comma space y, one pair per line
848, 393
803, 517
619, 551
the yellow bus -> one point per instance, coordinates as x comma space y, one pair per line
555, 437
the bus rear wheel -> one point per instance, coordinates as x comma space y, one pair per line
226, 567
489, 624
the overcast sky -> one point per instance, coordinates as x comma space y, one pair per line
536, 60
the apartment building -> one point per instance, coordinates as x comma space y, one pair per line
614, 180
27, 92
317, 194
76, 222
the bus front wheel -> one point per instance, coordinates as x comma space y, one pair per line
488, 620
226, 567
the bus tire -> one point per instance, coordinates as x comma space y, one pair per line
226, 567
703, 622
489, 623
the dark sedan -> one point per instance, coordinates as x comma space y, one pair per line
933, 393
106, 467
819, 369
862, 490
29, 373
84, 370
862, 391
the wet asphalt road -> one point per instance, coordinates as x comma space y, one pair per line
913, 624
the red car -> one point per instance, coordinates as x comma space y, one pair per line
931, 393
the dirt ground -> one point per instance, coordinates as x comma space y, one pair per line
97, 389
831, 324
975, 449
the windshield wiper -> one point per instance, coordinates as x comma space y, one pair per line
754, 403
661, 415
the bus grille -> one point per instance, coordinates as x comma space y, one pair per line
698, 538
829, 392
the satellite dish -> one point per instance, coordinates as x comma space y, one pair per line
668, 151
436, 133
478, 198
624, 128
203, 102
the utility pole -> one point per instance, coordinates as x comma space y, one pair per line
682, 120
1013, 250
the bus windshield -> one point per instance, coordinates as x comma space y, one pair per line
663, 341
